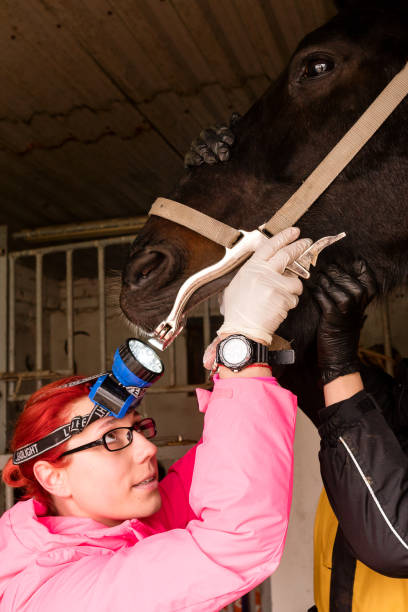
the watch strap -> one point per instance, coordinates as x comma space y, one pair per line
262, 354
284, 357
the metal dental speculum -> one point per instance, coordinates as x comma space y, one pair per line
169, 329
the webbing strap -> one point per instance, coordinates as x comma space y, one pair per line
197, 221
341, 154
58, 436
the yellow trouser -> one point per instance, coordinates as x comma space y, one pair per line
372, 592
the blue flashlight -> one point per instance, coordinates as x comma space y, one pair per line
136, 366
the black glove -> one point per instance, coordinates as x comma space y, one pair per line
213, 145
342, 300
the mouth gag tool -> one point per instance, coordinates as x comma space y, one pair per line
170, 328
136, 366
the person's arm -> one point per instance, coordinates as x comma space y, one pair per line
342, 388
365, 473
255, 303
364, 470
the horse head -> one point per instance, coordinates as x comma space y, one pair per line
333, 76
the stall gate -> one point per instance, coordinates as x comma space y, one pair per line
13, 379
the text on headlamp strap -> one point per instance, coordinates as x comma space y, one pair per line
58, 436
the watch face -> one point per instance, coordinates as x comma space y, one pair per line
235, 351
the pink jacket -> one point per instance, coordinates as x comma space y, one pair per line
220, 532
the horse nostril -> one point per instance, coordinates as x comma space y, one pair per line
142, 266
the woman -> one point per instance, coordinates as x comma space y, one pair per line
97, 531
363, 459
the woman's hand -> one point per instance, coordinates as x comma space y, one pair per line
342, 300
260, 295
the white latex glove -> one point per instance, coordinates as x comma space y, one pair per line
260, 295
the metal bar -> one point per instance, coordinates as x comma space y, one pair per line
385, 312
87, 229
9, 497
12, 322
3, 334
252, 600
69, 311
172, 365
3, 460
179, 389
152, 390
12, 315
245, 603
9, 491
39, 314
266, 595
206, 324
102, 307
33, 374
61, 248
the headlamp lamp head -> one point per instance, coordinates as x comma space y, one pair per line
136, 366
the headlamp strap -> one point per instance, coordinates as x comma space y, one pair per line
97, 413
58, 436
81, 381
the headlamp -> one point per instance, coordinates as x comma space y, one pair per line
136, 366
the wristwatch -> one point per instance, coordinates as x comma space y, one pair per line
237, 352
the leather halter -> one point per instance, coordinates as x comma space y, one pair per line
316, 183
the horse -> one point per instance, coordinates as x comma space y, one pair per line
332, 77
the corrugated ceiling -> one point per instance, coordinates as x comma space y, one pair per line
100, 99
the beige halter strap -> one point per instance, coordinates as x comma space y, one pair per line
316, 183
197, 221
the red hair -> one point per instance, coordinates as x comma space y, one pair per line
46, 410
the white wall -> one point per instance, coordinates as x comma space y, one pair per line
292, 583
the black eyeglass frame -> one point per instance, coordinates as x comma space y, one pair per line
102, 442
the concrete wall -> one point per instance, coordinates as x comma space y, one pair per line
292, 583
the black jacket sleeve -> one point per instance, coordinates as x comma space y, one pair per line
365, 473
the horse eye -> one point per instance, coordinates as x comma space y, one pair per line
317, 67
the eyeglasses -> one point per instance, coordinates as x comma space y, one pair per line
120, 437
